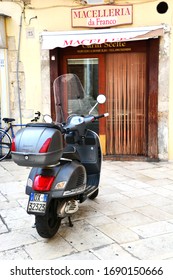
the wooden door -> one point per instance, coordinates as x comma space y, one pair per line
126, 104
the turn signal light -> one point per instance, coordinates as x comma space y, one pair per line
45, 146
43, 183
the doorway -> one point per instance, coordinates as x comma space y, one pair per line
126, 103
128, 77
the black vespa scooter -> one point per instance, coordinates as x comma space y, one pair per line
66, 158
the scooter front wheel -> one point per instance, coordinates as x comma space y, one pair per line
48, 225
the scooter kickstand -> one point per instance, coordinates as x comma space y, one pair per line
70, 222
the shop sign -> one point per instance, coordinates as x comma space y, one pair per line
102, 16
105, 48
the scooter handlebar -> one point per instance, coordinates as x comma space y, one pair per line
102, 116
81, 122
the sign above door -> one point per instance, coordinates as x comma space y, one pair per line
102, 16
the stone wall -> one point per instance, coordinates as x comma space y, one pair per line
163, 98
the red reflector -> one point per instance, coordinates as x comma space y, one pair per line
13, 145
43, 183
45, 146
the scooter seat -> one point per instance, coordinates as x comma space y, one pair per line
70, 152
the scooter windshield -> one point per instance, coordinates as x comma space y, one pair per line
69, 97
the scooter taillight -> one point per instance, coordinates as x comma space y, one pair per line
42, 183
13, 145
45, 146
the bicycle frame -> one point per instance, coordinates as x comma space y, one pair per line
7, 131
9, 128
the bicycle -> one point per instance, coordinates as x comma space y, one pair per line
6, 138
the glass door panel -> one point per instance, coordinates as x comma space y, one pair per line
87, 71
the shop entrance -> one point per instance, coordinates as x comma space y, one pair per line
124, 76
126, 104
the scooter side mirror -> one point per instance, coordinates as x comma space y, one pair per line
101, 98
47, 118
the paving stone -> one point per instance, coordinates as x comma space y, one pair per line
85, 255
133, 219
154, 213
169, 187
99, 220
111, 207
137, 193
85, 211
20, 223
83, 236
3, 227
168, 209
11, 188
118, 232
23, 202
153, 229
138, 184
163, 191
154, 248
16, 254
113, 252
13, 213
129, 174
15, 239
7, 178
107, 198
2, 198
133, 202
160, 183
8, 204
50, 249
138, 166
124, 187
156, 173
156, 200
3, 172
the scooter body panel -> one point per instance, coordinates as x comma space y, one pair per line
89, 151
70, 179
69, 183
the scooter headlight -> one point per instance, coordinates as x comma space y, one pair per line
60, 185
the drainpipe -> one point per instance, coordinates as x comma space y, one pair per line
17, 70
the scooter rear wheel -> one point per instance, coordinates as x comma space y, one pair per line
48, 225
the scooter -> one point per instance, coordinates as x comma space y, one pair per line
65, 157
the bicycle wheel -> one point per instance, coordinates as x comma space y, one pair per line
5, 144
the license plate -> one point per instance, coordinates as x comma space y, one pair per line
37, 203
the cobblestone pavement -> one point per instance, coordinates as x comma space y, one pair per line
132, 218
